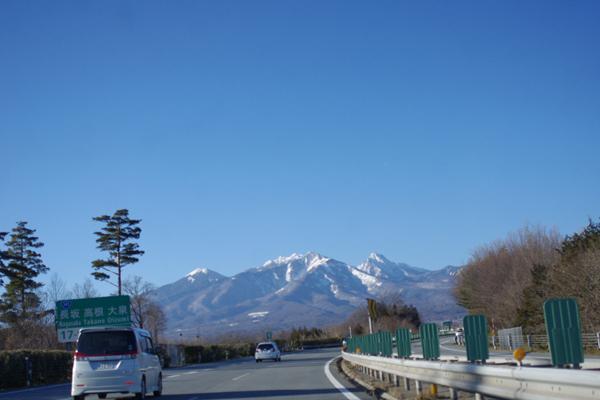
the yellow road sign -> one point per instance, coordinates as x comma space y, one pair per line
372, 311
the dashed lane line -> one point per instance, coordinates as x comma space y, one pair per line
241, 376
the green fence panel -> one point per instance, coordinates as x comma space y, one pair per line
403, 345
564, 331
430, 341
476, 339
387, 349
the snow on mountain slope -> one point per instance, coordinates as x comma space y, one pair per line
308, 287
378, 265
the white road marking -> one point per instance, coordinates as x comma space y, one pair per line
171, 376
338, 385
193, 372
235, 379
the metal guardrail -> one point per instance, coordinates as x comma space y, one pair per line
522, 383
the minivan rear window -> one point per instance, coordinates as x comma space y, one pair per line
107, 342
265, 346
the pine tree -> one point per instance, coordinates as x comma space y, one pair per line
530, 316
116, 238
24, 265
3, 257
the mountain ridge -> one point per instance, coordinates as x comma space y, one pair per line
309, 289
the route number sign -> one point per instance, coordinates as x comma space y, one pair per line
73, 315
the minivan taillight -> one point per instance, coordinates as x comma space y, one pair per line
130, 355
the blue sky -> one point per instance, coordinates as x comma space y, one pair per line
241, 131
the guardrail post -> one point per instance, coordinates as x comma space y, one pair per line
28, 371
418, 387
530, 342
494, 342
478, 396
453, 394
598, 336
510, 346
406, 384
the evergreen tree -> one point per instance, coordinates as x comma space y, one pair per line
24, 265
3, 257
530, 316
116, 238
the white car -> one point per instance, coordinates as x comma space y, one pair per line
267, 351
116, 360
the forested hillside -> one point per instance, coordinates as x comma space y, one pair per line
510, 279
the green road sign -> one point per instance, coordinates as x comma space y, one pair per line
269, 336
476, 339
447, 324
564, 331
73, 315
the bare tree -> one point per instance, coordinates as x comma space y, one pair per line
85, 291
156, 320
493, 280
145, 312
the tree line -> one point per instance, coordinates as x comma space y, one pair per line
392, 314
509, 280
27, 307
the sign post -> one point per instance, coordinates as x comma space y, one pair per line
371, 305
73, 315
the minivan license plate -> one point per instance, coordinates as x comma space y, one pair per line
107, 366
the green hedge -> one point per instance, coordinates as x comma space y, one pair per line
48, 367
311, 342
221, 352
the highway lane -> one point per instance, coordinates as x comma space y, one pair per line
300, 375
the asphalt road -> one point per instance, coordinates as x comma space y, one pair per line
299, 375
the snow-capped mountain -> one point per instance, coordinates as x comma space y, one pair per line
379, 266
310, 289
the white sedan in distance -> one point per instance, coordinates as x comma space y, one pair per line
267, 351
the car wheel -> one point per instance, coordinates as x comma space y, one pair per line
158, 392
141, 395
79, 397
101, 395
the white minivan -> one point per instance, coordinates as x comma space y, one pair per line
116, 360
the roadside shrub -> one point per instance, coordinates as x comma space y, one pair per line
48, 367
